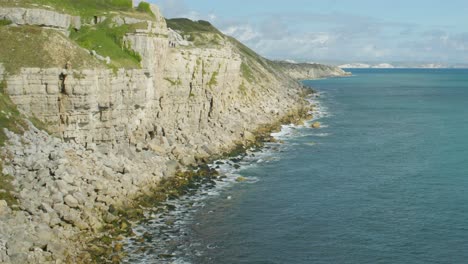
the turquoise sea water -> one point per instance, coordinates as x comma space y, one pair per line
385, 180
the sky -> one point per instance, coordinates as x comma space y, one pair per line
429, 31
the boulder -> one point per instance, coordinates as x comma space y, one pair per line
71, 201
316, 125
4, 209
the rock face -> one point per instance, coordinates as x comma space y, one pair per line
119, 133
308, 71
182, 98
39, 17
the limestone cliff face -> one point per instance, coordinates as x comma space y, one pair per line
181, 99
310, 71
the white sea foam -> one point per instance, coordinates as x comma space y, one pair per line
172, 227
321, 135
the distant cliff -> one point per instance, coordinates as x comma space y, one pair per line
309, 71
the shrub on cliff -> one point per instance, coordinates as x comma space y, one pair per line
4, 22
144, 7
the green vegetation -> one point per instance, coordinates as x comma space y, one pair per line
107, 41
213, 80
4, 22
30, 46
144, 7
247, 72
84, 8
176, 82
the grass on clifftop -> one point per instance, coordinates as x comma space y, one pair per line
84, 8
107, 41
144, 7
29, 46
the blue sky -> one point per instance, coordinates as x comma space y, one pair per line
339, 30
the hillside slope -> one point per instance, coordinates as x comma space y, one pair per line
310, 71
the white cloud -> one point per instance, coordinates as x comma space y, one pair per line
243, 33
311, 36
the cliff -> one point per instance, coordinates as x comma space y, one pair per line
126, 102
310, 71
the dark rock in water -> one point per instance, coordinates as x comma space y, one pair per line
219, 163
236, 160
165, 256
315, 125
236, 166
170, 207
148, 237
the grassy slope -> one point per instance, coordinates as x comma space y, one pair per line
84, 8
42, 48
107, 40
30, 46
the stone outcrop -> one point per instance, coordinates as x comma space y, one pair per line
66, 189
310, 71
40, 17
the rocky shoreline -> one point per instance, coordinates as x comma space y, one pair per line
75, 205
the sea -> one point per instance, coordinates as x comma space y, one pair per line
383, 180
